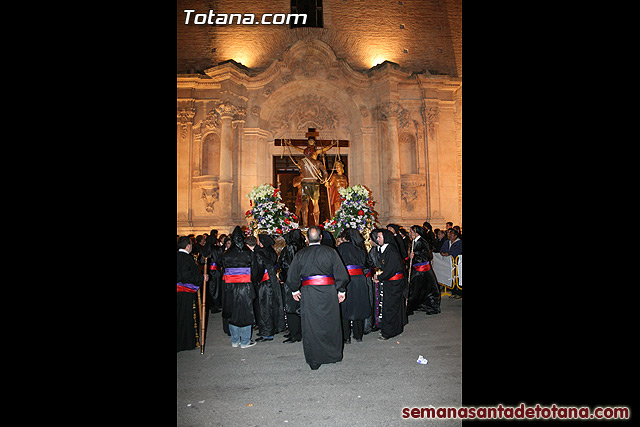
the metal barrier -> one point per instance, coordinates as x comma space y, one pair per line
448, 271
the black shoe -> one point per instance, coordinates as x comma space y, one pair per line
347, 341
261, 339
375, 328
314, 366
289, 340
287, 335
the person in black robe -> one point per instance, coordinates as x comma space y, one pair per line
424, 294
393, 278
295, 242
268, 304
189, 280
373, 262
214, 285
400, 243
356, 307
239, 292
315, 275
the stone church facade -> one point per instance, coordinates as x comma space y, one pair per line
402, 117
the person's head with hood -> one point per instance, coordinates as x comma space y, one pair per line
266, 241
327, 239
395, 228
384, 236
352, 235
420, 231
237, 238
294, 237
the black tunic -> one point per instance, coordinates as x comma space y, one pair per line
394, 316
320, 312
238, 297
187, 272
268, 304
214, 269
418, 284
423, 289
284, 261
356, 305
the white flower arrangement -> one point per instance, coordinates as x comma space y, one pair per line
268, 213
356, 210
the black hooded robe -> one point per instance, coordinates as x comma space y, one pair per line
187, 313
394, 316
238, 289
268, 305
320, 311
356, 306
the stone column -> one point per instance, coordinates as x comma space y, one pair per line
389, 111
225, 183
185, 122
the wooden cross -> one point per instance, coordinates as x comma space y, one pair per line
312, 133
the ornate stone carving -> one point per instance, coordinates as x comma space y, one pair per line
224, 109
185, 118
210, 196
411, 188
432, 114
393, 109
408, 195
304, 112
307, 66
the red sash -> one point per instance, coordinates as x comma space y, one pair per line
318, 280
397, 276
422, 266
354, 270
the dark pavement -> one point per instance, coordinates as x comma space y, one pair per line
270, 384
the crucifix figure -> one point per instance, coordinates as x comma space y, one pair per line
312, 172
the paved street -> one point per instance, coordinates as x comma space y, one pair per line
270, 384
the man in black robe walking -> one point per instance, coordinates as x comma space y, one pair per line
315, 275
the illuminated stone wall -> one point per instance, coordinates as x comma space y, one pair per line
404, 128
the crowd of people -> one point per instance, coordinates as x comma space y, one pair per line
323, 290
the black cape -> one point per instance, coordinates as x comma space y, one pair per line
356, 305
423, 288
268, 305
394, 315
320, 312
238, 297
295, 242
188, 316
